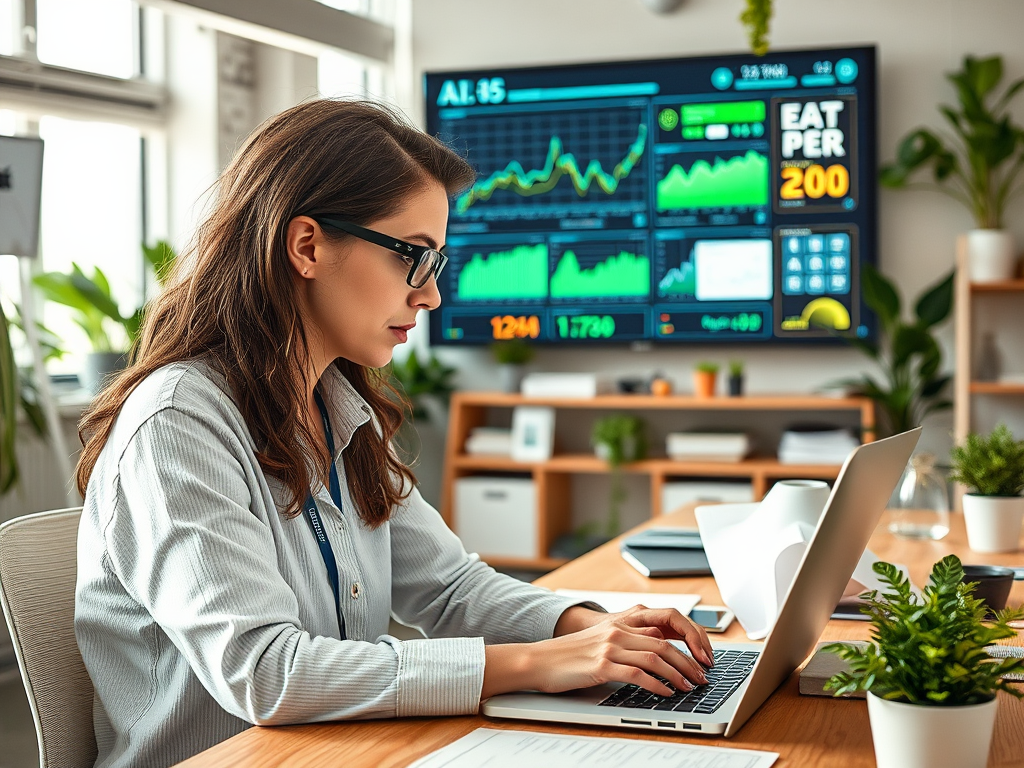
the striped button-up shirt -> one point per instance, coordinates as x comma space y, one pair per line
201, 609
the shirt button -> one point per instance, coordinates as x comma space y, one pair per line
355, 590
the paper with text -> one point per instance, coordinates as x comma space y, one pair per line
489, 748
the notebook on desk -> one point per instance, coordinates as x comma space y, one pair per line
745, 674
659, 552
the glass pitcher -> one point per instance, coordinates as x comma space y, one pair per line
920, 505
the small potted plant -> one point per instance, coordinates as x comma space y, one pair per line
705, 379
511, 357
931, 684
735, 378
618, 439
992, 468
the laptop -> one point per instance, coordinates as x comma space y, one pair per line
745, 674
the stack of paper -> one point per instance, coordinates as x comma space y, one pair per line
815, 446
707, 446
493, 441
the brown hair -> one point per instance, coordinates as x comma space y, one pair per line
231, 301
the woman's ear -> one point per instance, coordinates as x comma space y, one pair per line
301, 240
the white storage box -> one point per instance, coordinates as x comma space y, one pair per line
675, 495
497, 516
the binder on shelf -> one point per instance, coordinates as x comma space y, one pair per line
707, 446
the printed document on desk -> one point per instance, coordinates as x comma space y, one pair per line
613, 602
529, 749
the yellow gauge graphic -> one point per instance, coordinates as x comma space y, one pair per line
827, 313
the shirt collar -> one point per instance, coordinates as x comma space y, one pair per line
345, 406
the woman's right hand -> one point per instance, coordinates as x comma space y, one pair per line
614, 650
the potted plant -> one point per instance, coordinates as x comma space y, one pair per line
735, 378
511, 356
95, 308
931, 684
705, 379
18, 390
618, 438
992, 468
909, 358
977, 164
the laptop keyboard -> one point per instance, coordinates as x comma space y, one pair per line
731, 668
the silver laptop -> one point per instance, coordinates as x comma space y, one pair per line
745, 674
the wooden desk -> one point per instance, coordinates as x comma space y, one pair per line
807, 732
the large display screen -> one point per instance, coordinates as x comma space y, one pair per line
714, 199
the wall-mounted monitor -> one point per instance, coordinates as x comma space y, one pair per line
713, 199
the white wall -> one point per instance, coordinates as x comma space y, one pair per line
918, 41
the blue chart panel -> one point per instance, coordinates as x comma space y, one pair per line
548, 167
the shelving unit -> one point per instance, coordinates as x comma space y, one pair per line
967, 296
552, 478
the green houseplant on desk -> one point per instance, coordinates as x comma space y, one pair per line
992, 468
930, 680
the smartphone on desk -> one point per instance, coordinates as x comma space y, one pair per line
714, 618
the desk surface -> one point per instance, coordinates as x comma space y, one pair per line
809, 732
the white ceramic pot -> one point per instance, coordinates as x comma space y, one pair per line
922, 736
993, 522
511, 376
991, 255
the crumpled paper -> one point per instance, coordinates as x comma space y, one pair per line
754, 550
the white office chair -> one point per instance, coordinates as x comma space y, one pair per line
38, 568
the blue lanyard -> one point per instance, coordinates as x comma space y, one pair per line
313, 515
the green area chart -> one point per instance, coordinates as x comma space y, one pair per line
558, 163
625, 274
517, 273
738, 181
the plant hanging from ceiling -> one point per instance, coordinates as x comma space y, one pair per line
756, 17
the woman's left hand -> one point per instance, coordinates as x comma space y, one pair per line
664, 623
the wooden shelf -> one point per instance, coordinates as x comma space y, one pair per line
553, 478
590, 464
996, 388
671, 402
1005, 286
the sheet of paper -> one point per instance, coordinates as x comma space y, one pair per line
490, 748
613, 602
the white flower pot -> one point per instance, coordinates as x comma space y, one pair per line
922, 736
991, 255
993, 522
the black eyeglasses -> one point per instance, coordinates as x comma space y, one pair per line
424, 261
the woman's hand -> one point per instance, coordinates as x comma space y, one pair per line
626, 647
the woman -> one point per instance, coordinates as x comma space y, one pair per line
247, 530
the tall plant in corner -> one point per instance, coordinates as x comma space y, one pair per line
977, 162
907, 356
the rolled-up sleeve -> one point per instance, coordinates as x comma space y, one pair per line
445, 592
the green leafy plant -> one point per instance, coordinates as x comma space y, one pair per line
907, 354
929, 649
706, 367
736, 368
756, 17
512, 352
91, 299
991, 465
18, 389
417, 380
979, 162
625, 439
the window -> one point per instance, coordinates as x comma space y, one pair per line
91, 212
92, 35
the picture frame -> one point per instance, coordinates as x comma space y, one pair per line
533, 432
